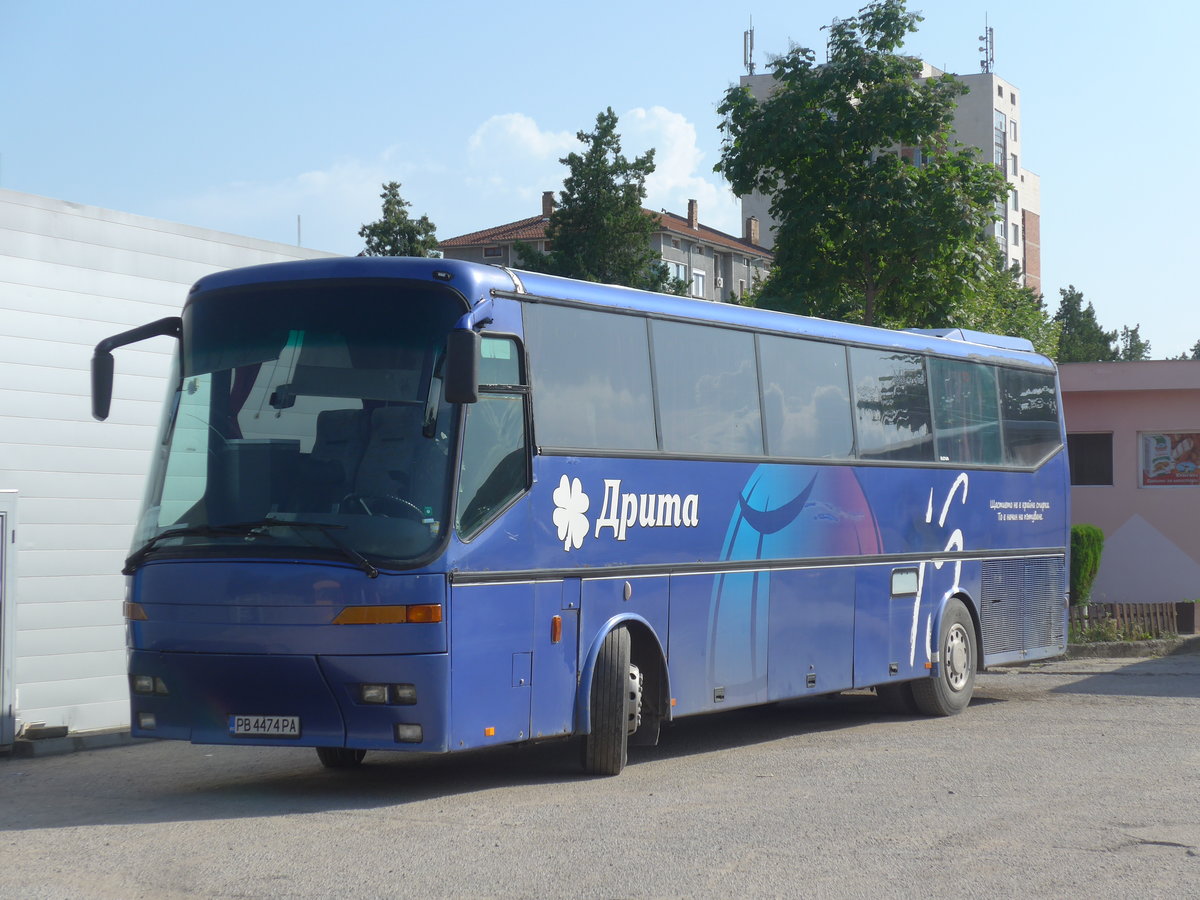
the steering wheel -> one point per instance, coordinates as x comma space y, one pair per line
382, 505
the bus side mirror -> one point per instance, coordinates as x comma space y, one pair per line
102, 359
102, 383
461, 383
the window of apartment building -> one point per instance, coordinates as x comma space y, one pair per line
1001, 229
741, 287
675, 243
1014, 164
677, 270
1012, 129
1012, 98
492, 252
698, 284
1016, 230
999, 90
1091, 458
1016, 201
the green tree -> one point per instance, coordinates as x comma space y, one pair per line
1003, 305
1194, 353
865, 233
395, 233
599, 230
1132, 345
1082, 339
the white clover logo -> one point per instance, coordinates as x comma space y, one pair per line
570, 504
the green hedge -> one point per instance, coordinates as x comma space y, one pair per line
1087, 545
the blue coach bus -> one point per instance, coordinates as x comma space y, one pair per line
427, 505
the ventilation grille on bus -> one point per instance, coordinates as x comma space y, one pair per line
1023, 603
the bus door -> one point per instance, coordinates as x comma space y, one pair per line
811, 639
491, 663
555, 657
892, 616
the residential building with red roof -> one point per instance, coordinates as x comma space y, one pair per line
718, 266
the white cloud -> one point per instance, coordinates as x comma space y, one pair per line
497, 176
680, 170
332, 203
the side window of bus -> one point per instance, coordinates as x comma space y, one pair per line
891, 404
707, 387
966, 415
591, 379
1029, 405
494, 467
806, 398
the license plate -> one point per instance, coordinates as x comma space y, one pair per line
265, 726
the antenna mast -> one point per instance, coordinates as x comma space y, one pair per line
988, 39
748, 48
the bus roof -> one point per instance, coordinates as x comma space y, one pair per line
477, 281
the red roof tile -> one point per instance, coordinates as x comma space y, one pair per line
534, 229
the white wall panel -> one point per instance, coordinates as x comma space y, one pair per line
79, 613
73, 588
71, 276
46, 669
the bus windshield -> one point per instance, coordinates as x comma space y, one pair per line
306, 417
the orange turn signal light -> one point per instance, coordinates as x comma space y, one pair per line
134, 612
389, 615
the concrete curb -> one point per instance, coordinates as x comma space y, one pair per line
23, 748
1134, 649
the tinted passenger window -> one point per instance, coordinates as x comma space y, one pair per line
707, 384
966, 415
806, 398
1030, 408
891, 405
591, 379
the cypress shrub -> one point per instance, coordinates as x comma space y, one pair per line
1087, 545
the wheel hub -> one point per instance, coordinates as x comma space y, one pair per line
957, 657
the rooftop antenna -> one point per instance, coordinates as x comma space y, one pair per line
988, 39
748, 48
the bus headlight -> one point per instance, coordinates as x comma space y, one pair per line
373, 693
148, 684
409, 734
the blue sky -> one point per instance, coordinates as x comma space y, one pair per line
240, 116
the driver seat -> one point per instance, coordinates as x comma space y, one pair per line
387, 462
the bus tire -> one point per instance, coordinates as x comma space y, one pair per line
949, 692
340, 757
616, 700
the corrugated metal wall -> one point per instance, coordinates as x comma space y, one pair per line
71, 275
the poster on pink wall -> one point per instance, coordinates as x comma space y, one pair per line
1170, 458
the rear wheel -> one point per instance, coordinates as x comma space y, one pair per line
949, 692
340, 757
616, 705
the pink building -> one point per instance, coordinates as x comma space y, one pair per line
1133, 434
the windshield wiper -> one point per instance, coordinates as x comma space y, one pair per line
248, 528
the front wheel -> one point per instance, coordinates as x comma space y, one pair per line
949, 692
616, 706
340, 757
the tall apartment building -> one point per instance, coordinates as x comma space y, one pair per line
989, 119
